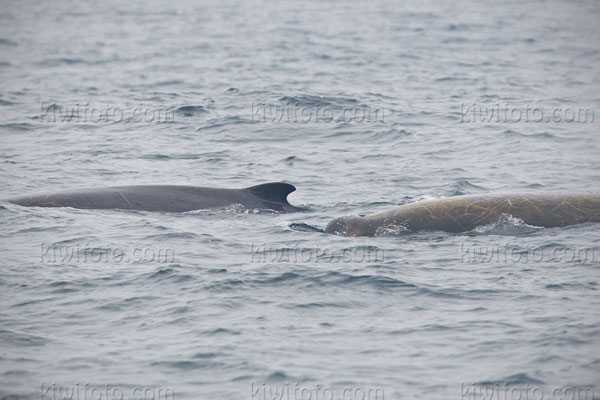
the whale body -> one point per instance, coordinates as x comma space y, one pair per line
464, 213
167, 198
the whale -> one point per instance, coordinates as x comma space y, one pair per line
466, 212
166, 198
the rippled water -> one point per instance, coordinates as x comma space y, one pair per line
245, 297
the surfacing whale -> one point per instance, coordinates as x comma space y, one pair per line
464, 213
167, 198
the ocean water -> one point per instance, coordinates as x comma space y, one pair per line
363, 106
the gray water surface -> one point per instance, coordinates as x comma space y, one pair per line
214, 304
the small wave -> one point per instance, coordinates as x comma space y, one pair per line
168, 274
227, 285
59, 287
147, 13
534, 186
233, 209
190, 111
376, 156
311, 101
291, 159
221, 331
463, 186
17, 126
570, 286
168, 83
172, 235
225, 121
452, 79
319, 305
122, 304
278, 376
156, 157
207, 355
506, 225
7, 42
210, 156
328, 279
188, 365
462, 27
334, 278
16, 338
391, 134
554, 286
15, 372
445, 293
285, 277
512, 380
429, 328
540, 135
55, 62
456, 39
391, 230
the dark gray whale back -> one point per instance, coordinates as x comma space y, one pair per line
168, 198
464, 213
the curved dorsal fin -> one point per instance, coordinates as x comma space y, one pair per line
274, 191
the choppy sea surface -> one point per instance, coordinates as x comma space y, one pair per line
363, 106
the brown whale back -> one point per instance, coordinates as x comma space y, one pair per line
464, 213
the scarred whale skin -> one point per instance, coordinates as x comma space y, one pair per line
167, 198
464, 213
